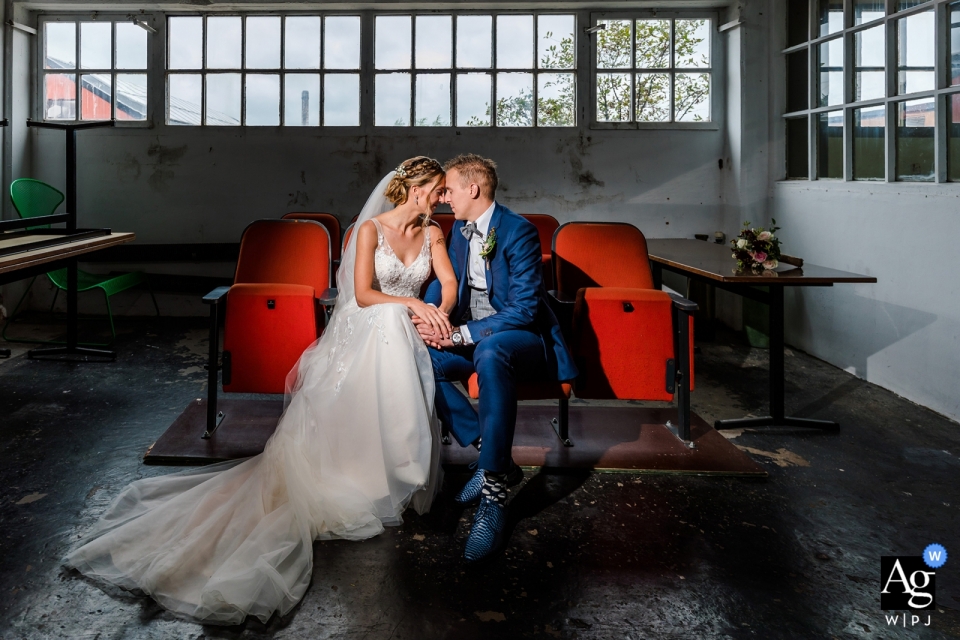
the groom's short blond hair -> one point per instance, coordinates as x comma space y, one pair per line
475, 169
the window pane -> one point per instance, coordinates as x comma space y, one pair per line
434, 42
915, 51
614, 44
341, 45
96, 96
60, 41
831, 73
341, 100
60, 101
474, 42
798, 96
514, 99
955, 43
555, 42
95, 45
867, 10
915, 125
263, 99
514, 42
869, 126
473, 100
301, 43
692, 43
223, 99
613, 97
870, 51
653, 97
798, 21
653, 44
433, 100
829, 16
224, 43
953, 147
131, 46
556, 99
186, 43
906, 4
184, 94
830, 145
692, 97
131, 102
392, 108
263, 43
797, 150
301, 100
393, 42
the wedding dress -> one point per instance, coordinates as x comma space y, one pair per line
357, 442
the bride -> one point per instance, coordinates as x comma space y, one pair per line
356, 444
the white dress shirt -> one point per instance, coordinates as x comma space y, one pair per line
476, 265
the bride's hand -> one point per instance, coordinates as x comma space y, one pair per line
437, 319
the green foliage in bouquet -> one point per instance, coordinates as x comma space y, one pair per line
757, 249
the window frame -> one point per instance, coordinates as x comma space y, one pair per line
584, 70
940, 94
492, 70
112, 18
717, 87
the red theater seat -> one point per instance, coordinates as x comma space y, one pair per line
328, 220
546, 226
445, 220
623, 332
272, 311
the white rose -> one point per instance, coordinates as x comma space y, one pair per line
764, 236
770, 264
741, 244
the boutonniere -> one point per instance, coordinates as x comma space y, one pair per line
489, 244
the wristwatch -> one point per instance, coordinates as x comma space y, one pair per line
456, 337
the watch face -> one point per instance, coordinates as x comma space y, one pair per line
457, 338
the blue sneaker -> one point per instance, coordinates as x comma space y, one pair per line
471, 491
487, 532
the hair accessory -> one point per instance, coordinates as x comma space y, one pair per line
400, 171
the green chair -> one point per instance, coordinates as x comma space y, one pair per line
33, 198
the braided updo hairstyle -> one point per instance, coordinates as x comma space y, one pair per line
417, 171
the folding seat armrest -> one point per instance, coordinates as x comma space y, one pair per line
215, 296
214, 299
683, 304
329, 297
563, 306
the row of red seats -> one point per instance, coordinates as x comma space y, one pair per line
624, 334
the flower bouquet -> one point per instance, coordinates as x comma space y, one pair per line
757, 249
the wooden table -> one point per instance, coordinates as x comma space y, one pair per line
30, 261
713, 264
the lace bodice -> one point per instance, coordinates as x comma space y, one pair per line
394, 279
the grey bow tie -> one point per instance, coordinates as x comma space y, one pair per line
469, 230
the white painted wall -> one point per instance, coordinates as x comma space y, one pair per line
902, 333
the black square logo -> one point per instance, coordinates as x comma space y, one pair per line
906, 583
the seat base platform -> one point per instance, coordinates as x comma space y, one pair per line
606, 438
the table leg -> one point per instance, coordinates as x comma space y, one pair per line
777, 417
71, 349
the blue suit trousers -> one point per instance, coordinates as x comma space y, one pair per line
500, 361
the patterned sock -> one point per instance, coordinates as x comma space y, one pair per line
494, 488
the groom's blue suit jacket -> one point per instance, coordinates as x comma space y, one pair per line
515, 287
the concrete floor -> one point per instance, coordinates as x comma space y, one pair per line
604, 555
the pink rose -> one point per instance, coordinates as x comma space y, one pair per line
764, 236
770, 264
760, 256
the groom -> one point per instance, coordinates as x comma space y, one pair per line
504, 330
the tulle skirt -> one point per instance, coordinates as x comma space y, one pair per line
358, 441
